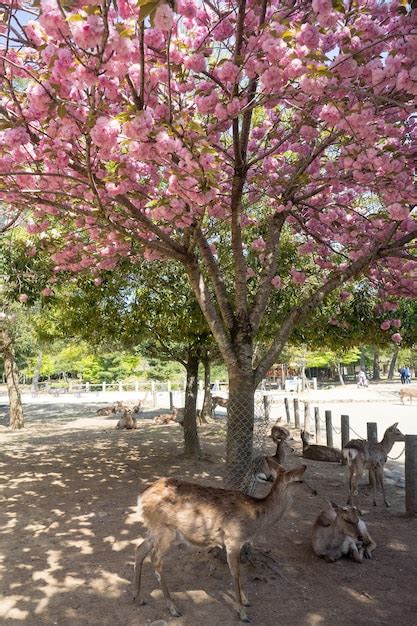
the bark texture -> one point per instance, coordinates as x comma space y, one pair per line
191, 441
12, 382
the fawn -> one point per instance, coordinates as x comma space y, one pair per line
339, 531
176, 511
318, 452
370, 455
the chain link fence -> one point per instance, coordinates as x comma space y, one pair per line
248, 429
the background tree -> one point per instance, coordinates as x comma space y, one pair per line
200, 135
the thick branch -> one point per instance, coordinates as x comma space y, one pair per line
265, 286
310, 303
210, 312
218, 284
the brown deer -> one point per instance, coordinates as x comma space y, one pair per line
176, 511
339, 531
370, 455
317, 452
218, 401
279, 433
263, 472
127, 421
411, 392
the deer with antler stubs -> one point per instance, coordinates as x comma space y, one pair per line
370, 455
176, 511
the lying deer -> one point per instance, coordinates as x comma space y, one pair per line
339, 531
164, 418
410, 392
176, 511
318, 452
262, 471
127, 421
279, 433
370, 455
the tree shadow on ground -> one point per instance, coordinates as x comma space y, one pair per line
68, 530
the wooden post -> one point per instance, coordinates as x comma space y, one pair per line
411, 475
344, 423
136, 386
372, 431
120, 385
317, 424
296, 413
103, 385
314, 383
171, 401
329, 428
267, 407
154, 395
287, 410
307, 420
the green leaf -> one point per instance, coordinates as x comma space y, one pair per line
75, 17
338, 6
147, 10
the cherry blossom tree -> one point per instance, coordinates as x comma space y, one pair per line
208, 132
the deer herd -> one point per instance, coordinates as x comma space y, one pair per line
176, 511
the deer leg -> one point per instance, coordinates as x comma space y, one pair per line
372, 480
353, 484
380, 476
157, 553
369, 544
141, 553
233, 554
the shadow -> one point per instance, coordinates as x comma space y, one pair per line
68, 530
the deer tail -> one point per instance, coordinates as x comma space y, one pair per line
350, 455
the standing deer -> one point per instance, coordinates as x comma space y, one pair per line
411, 392
339, 531
175, 511
370, 455
218, 401
318, 452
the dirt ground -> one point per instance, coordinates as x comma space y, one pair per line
68, 530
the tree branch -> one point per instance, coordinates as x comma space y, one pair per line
210, 312
265, 286
214, 273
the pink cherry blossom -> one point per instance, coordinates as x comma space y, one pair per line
396, 323
23, 297
164, 17
396, 337
276, 282
385, 325
259, 244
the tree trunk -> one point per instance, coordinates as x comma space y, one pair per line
340, 374
393, 363
240, 422
12, 381
362, 360
36, 372
191, 442
376, 375
206, 409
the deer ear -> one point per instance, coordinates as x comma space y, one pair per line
334, 505
394, 426
295, 474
